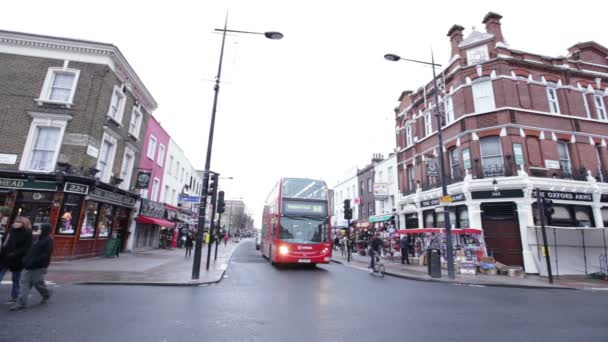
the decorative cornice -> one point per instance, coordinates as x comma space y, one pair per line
122, 68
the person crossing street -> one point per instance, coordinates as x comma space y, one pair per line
36, 262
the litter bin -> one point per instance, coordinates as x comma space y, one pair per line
434, 262
110, 247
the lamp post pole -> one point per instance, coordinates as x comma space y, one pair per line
196, 264
444, 188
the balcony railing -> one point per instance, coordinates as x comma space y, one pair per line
506, 168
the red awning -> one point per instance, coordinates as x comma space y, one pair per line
154, 220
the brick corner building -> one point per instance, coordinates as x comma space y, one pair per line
513, 121
73, 115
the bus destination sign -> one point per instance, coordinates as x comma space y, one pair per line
304, 208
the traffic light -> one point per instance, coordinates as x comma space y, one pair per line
548, 208
348, 212
221, 205
212, 188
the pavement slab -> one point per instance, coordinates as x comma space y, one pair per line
149, 267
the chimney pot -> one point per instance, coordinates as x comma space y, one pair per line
455, 34
492, 22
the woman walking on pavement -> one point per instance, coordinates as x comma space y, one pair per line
188, 245
14, 248
36, 263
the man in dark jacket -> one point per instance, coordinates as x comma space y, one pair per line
14, 248
404, 244
375, 246
36, 263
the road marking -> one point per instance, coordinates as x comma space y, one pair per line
475, 285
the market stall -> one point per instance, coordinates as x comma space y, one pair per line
469, 244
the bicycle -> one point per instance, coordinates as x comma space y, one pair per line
378, 268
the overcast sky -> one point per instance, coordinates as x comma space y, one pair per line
311, 105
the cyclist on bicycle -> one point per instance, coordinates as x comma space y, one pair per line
374, 248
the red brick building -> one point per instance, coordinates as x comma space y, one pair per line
513, 121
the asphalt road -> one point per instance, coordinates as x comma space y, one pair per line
256, 302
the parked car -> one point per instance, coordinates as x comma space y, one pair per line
258, 241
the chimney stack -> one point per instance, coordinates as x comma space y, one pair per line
455, 34
492, 21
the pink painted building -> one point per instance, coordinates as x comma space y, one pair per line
151, 216
154, 153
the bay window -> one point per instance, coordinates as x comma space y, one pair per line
491, 156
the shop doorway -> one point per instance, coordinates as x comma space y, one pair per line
36, 206
501, 232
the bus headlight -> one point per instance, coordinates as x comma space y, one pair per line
283, 250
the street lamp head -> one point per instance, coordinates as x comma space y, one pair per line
391, 57
273, 35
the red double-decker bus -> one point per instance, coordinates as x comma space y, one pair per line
295, 224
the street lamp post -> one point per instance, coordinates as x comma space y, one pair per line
444, 188
196, 264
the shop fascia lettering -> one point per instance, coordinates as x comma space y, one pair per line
435, 201
567, 196
27, 185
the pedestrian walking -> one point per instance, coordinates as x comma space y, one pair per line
226, 238
189, 243
14, 248
36, 263
404, 244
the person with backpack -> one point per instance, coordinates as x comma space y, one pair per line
36, 262
14, 248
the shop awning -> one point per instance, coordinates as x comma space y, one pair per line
380, 218
154, 220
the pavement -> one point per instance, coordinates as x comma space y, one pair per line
258, 302
167, 267
416, 272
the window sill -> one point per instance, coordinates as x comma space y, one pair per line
41, 102
114, 121
132, 135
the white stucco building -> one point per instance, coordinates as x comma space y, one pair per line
386, 186
178, 170
347, 188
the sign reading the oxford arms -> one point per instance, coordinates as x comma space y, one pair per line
567, 196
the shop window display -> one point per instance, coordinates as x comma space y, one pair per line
70, 214
90, 221
106, 220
